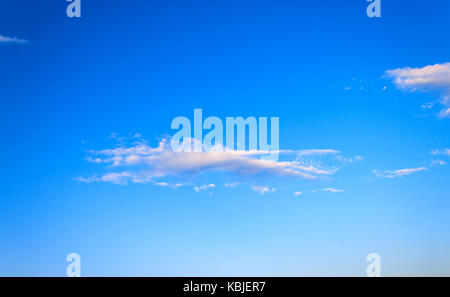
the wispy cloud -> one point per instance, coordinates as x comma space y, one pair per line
312, 152
333, 190
5, 39
398, 173
263, 190
428, 105
118, 178
232, 185
142, 163
445, 151
171, 185
436, 163
354, 159
204, 187
432, 78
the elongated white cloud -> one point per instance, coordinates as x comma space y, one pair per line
435, 78
399, 172
315, 152
5, 39
333, 190
141, 163
138, 162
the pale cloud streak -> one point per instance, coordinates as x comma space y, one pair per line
399, 172
263, 190
232, 185
436, 163
333, 190
5, 39
312, 152
445, 152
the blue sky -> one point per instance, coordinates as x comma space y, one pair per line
375, 91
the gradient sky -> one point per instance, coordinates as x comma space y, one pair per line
376, 91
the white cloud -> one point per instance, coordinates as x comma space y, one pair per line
428, 105
142, 163
204, 187
169, 185
5, 39
133, 160
399, 172
332, 190
445, 151
118, 178
356, 158
87, 180
436, 163
298, 193
314, 152
263, 190
232, 185
445, 113
434, 78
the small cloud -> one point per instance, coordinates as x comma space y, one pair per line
86, 180
356, 158
168, 185
428, 105
398, 173
445, 151
311, 152
263, 190
332, 190
232, 185
445, 113
118, 178
347, 88
204, 187
436, 163
5, 39
298, 193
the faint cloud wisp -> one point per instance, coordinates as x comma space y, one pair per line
15, 40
